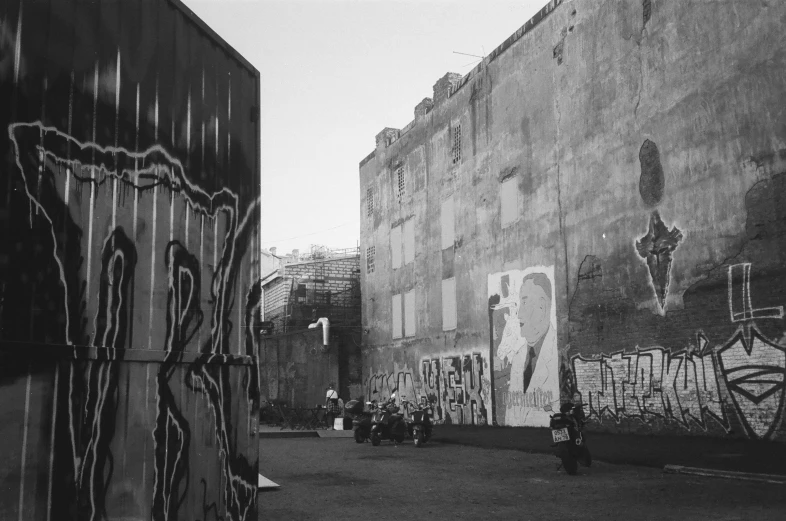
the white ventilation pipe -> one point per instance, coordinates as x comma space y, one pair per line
325, 329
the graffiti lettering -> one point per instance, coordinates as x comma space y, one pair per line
651, 384
453, 385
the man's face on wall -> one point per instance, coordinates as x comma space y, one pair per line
534, 310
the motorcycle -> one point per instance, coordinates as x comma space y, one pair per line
567, 431
419, 424
387, 424
361, 419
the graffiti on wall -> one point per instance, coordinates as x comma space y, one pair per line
657, 246
134, 206
699, 386
523, 345
652, 383
455, 386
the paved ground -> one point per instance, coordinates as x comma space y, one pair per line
324, 478
738, 455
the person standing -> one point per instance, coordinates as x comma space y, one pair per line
332, 408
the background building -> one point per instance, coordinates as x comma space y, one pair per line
296, 367
596, 208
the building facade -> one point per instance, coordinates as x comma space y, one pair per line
594, 210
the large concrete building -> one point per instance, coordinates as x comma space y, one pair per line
596, 208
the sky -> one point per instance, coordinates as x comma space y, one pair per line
333, 74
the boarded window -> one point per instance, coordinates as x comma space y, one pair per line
370, 259
400, 186
509, 201
395, 246
447, 223
409, 313
370, 202
396, 314
409, 241
449, 304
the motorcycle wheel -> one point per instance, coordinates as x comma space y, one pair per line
399, 438
375, 440
570, 464
587, 457
418, 438
359, 437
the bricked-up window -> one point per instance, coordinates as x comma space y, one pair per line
408, 240
456, 143
449, 304
370, 259
447, 223
400, 185
370, 202
409, 313
509, 201
396, 316
647, 11
395, 247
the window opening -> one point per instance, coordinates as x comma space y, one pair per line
370, 259
369, 202
456, 143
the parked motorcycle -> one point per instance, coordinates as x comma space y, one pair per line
419, 424
567, 431
387, 424
361, 419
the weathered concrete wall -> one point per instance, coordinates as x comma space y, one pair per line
618, 225
296, 368
129, 190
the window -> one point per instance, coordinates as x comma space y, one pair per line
401, 190
370, 259
396, 314
509, 200
456, 144
395, 246
409, 313
402, 239
409, 240
370, 202
449, 304
447, 223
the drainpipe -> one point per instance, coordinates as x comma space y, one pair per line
325, 329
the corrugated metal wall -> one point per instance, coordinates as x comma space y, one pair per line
129, 193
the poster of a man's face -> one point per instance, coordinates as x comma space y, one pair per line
523, 345
534, 307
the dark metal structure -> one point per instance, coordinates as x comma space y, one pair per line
129, 210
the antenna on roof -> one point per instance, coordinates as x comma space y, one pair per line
473, 55
465, 54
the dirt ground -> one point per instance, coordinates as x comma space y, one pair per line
339, 479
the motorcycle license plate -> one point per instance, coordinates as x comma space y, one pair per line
560, 435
